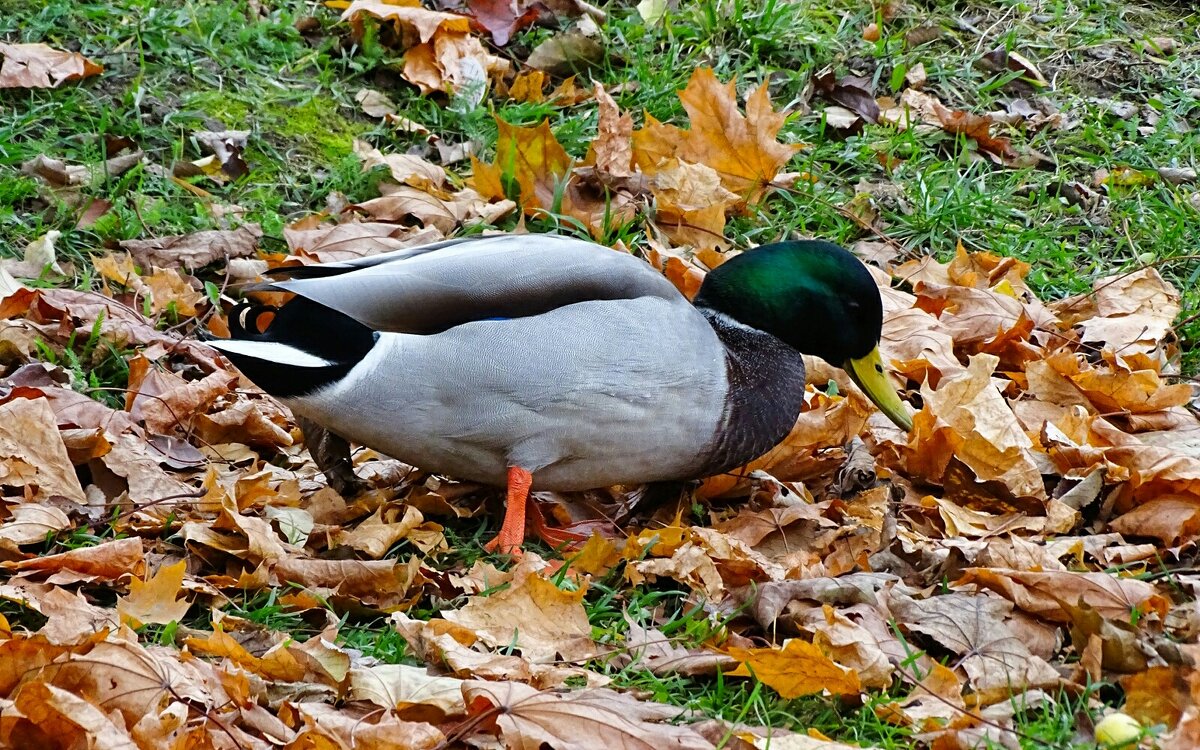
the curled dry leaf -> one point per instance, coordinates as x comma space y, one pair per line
589, 719
1042, 593
321, 726
967, 418
532, 614
196, 250
105, 562
32, 453
327, 243
42, 66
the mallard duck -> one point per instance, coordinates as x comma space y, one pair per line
547, 362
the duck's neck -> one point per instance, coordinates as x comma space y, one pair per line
766, 391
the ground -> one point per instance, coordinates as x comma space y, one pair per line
1112, 191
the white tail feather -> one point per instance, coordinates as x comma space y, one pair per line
270, 351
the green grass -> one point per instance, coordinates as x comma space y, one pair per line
175, 67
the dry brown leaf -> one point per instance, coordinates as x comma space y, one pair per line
42, 66
408, 14
410, 691
1171, 519
1118, 388
155, 600
567, 53
742, 149
528, 86
277, 663
406, 169
533, 615
797, 669
655, 144
975, 423
195, 250
690, 204
995, 660
31, 523
594, 719
383, 583
375, 535
108, 561
1042, 592
612, 151
323, 727
59, 716
453, 62
32, 453
328, 243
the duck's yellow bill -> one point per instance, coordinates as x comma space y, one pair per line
867, 373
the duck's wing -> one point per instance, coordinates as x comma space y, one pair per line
435, 287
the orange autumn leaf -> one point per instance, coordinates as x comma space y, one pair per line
655, 143
796, 670
155, 600
744, 149
529, 161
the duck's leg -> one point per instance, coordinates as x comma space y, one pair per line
512, 531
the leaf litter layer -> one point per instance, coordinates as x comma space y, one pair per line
178, 574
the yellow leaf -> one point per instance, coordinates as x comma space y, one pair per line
743, 149
797, 669
528, 87
528, 160
155, 600
596, 556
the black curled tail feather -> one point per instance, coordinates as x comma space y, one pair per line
243, 318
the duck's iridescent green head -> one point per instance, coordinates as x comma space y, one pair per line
817, 298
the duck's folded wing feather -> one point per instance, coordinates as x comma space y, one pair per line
436, 287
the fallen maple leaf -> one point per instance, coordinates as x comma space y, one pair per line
995, 660
530, 165
797, 669
410, 691
32, 453
742, 148
322, 727
155, 600
1040, 592
41, 66
595, 719
195, 250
